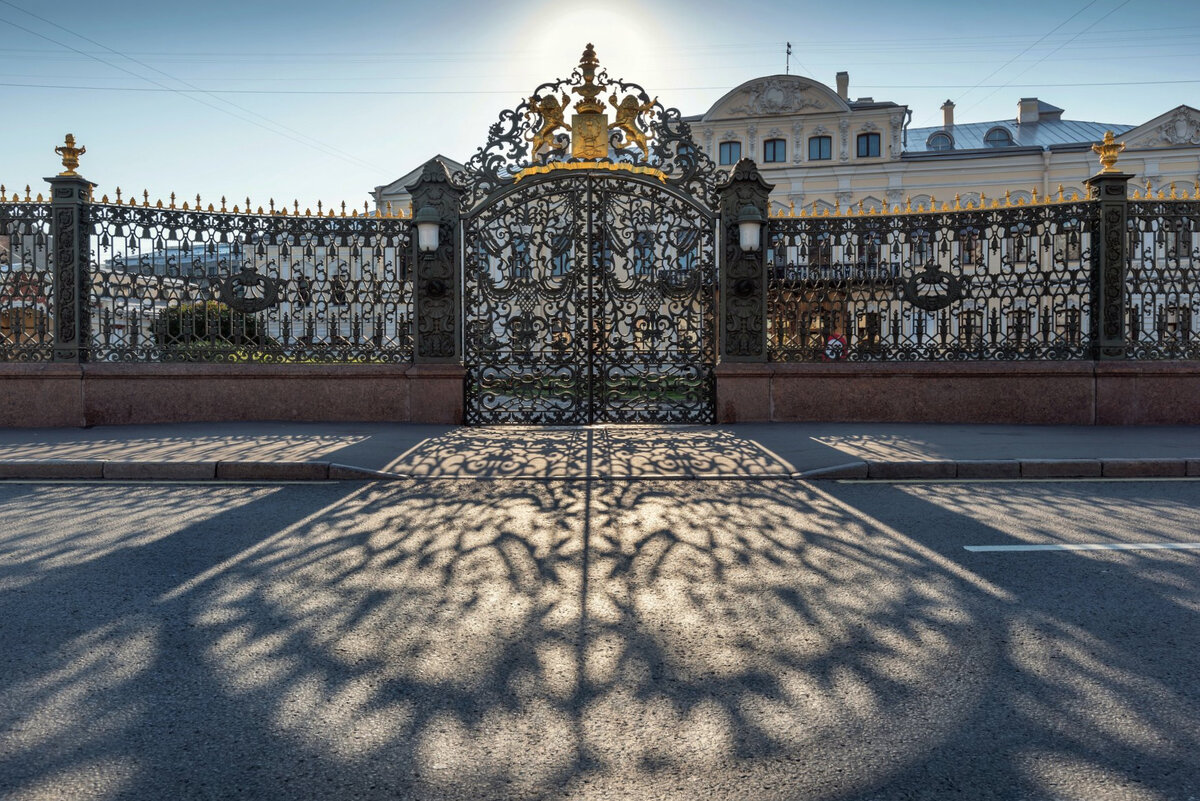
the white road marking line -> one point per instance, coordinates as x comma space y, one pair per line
1091, 546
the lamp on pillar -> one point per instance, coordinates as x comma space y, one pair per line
429, 224
750, 222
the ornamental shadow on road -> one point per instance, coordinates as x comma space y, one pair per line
596, 451
515, 639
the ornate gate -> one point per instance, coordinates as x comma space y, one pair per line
589, 263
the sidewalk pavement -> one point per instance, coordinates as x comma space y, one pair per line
383, 451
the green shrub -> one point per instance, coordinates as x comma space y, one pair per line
209, 323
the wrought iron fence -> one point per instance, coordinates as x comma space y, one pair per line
82, 279
1003, 282
172, 284
1163, 297
26, 281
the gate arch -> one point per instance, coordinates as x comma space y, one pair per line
589, 263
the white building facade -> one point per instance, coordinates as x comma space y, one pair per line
823, 150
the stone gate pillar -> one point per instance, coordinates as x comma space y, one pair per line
743, 328
435, 379
1110, 242
437, 328
70, 232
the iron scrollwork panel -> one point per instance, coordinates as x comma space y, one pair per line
1005, 284
656, 302
527, 350
26, 282
1162, 299
192, 285
589, 299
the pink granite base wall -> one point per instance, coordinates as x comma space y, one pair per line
1064, 393
1147, 393
42, 395
115, 394
1079, 393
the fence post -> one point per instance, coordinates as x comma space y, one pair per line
1108, 280
70, 194
743, 272
436, 292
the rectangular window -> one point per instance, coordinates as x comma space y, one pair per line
819, 254
1066, 245
970, 328
868, 328
1019, 249
820, 148
1069, 324
774, 151
1018, 327
522, 263
870, 252
731, 152
560, 255
971, 244
1175, 323
1135, 321
643, 253
868, 145
1183, 244
921, 251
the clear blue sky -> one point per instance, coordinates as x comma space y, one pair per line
393, 83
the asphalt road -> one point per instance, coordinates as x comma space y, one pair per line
649, 640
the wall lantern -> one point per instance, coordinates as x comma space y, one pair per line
428, 223
750, 222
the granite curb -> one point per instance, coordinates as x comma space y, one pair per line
870, 470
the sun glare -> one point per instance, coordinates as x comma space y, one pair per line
625, 48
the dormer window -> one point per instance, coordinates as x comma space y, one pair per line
998, 137
940, 141
731, 152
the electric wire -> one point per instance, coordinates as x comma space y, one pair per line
267, 124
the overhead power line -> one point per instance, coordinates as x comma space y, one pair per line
1052, 52
519, 91
270, 125
1006, 64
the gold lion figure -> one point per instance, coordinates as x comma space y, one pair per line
627, 116
552, 112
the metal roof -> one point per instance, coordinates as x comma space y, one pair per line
969, 136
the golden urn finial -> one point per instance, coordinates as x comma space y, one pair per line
587, 64
1108, 150
70, 155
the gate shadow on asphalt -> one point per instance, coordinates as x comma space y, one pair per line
589, 452
561, 639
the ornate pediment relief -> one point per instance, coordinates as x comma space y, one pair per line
1180, 126
777, 94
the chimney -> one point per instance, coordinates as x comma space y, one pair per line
1027, 110
948, 114
843, 85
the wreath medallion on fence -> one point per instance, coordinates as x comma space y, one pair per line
933, 289
249, 291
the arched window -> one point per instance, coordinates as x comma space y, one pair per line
819, 148
731, 152
940, 141
998, 137
774, 150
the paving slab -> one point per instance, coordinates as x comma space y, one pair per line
360, 451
